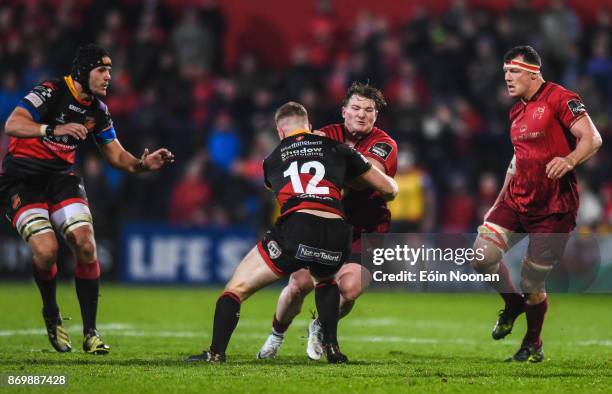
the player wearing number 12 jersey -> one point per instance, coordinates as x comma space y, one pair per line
365, 209
307, 173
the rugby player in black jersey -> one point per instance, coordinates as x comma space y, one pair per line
306, 172
41, 194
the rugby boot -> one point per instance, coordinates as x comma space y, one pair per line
333, 354
504, 324
93, 344
530, 353
314, 348
271, 347
207, 356
57, 334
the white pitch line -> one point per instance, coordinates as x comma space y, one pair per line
121, 329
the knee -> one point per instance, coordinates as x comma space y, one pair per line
299, 287
533, 276
45, 253
238, 291
85, 248
350, 290
487, 258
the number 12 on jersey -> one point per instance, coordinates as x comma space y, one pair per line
311, 187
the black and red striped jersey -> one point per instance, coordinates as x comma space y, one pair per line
308, 171
56, 102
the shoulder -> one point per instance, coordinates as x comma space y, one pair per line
381, 144
334, 131
101, 106
49, 87
557, 92
379, 135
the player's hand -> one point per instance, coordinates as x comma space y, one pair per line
157, 159
558, 167
319, 132
74, 130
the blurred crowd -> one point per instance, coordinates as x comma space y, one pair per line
441, 74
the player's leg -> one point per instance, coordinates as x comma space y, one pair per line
71, 217
28, 212
327, 299
544, 252
335, 241
87, 283
252, 274
494, 238
44, 253
352, 280
288, 306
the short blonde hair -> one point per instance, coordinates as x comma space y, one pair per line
290, 109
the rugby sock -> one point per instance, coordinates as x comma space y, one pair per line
327, 299
279, 328
227, 314
515, 302
87, 282
535, 320
47, 283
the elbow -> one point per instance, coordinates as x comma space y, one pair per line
391, 190
597, 143
10, 127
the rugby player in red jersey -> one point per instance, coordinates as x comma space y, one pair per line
41, 194
365, 209
552, 134
306, 172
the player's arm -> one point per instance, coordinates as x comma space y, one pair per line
588, 143
376, 178
120, 158
359, 183
509, 174
20, 124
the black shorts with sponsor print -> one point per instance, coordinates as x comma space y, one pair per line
49, 191
302, 240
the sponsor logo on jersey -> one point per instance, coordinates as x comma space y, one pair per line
61, 118
381, 149
77, 109
44, 91
35, 99
576, 106
274, 250
321, 256
539, 112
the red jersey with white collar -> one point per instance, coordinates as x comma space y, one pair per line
366, 209
540, 132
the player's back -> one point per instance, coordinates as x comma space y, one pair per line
308, 171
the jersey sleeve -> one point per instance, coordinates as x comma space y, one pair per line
356, 163
570, 108
267, 183
40, 100
384, 151
104, 131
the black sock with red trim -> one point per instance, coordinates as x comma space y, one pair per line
47, 284
87, 283
227, 314
327, 299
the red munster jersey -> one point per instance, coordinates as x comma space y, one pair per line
366, 209
539, 132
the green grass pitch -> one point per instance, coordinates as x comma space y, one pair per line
396, 342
